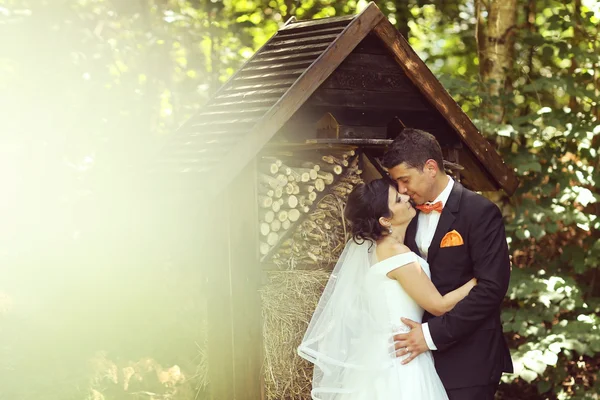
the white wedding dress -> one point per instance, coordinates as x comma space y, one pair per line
417, 380
350, 337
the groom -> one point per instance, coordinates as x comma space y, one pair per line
461, 235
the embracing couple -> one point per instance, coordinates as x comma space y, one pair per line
446, 265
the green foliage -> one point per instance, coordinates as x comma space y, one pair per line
551, 135
92, 87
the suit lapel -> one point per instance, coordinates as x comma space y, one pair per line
446, 220
411, 235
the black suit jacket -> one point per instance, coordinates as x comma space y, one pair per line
472, 350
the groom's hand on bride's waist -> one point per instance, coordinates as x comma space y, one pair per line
411, 343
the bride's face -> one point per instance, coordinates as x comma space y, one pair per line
402, 210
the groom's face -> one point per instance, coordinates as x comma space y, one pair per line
413, 182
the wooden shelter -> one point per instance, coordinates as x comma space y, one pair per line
336, 87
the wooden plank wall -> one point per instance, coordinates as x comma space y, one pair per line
234, 309
219, 314
365, 92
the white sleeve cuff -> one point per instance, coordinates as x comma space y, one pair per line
428, 338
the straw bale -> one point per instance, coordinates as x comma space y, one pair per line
289, 300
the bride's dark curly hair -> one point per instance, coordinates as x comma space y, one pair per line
366, 204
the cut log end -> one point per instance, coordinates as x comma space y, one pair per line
264, 248
282, 215
272, 238
264, 229
276, 225
292, 201
265, 201
294, 215
267, 216
319, 185
276, 206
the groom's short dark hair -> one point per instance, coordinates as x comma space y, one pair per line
413, 147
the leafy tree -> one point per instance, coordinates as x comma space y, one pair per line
90, 90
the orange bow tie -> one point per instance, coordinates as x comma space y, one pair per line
427, 208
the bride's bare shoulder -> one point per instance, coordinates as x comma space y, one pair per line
390, 249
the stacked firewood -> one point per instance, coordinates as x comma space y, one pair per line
320, 237
289, 187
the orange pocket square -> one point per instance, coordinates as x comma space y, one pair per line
451, 239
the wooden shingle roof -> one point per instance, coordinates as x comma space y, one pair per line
210, 149
249, 95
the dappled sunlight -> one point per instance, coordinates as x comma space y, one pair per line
103, 285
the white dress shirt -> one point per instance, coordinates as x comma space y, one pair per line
426, 226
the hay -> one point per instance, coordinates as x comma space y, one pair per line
289, 300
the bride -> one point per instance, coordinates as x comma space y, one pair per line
376, 281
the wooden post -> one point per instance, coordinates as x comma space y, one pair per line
215, 261
452, 156
235, 348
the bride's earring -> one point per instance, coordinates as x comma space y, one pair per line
383, 223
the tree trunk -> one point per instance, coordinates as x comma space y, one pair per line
530, 26
496, 57
573, 104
